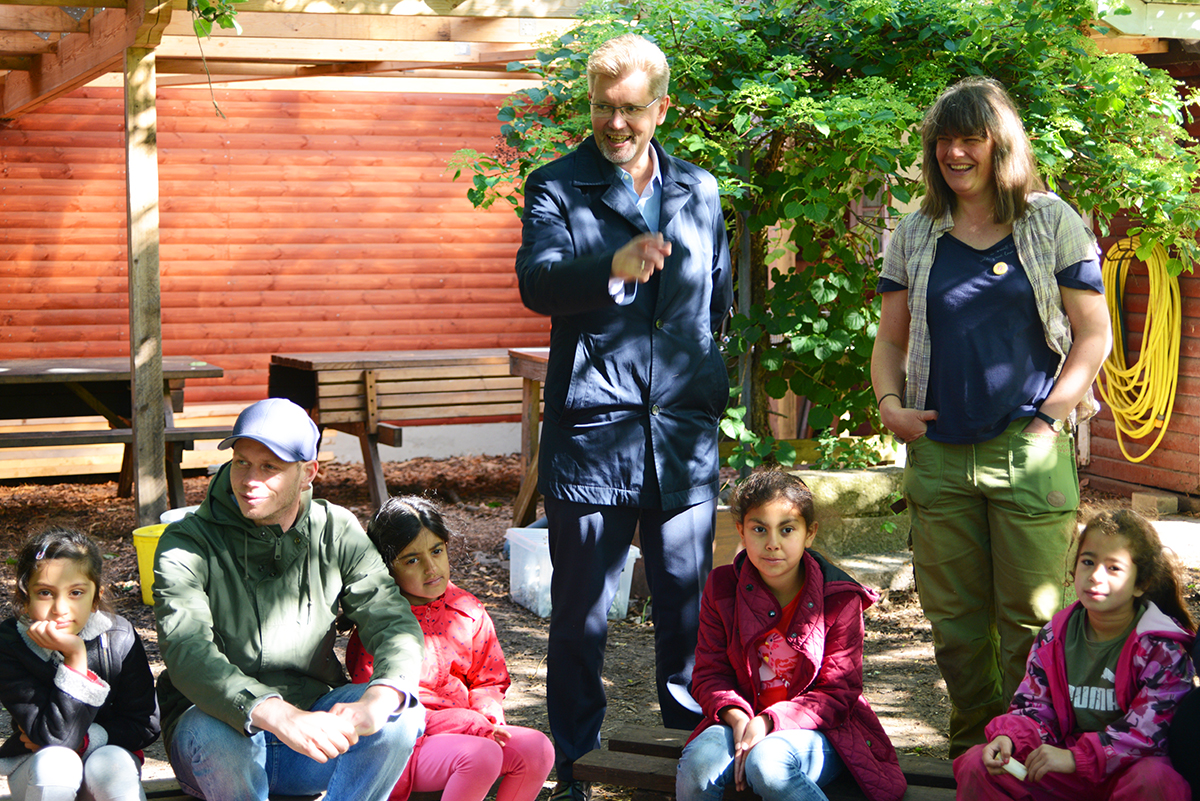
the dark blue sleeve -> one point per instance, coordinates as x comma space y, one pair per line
1082, 275
888, 285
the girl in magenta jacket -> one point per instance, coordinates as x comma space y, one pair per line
467, 745
779, 664
1090, 720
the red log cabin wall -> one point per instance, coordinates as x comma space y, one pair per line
305, 221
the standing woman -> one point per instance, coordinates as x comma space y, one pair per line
992, 331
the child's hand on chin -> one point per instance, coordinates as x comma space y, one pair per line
47, 634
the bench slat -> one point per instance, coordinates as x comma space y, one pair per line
427, 413
633, 749
107, 436
427, 372
433, 401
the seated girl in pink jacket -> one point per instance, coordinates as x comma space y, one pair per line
1104, 676
467, 745
779, 664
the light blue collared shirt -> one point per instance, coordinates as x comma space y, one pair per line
649, 203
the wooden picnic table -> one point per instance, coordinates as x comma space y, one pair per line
40, 389
530, 365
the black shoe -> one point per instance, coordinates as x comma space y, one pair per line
572, 791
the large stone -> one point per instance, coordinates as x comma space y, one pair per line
853, 509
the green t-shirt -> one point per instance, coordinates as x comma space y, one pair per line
1091, 672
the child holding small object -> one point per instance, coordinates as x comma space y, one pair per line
778, 670
467, 745
75, 678
1104, 676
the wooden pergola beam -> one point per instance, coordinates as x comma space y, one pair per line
25, 43
332, 51
286, 25
80, 58
43, 19
403, 8
61, 3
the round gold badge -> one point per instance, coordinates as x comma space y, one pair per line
999, 268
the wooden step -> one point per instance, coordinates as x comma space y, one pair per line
645, 758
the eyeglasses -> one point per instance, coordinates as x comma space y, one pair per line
604, 111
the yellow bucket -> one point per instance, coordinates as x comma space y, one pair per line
145, 540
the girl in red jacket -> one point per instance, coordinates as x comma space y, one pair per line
1101, 686
779, 664
467, 745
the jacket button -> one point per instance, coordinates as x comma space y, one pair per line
654, 409
749, 587
771, 613
297, 540
810, 604
658, 323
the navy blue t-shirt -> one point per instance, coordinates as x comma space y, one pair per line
989, 360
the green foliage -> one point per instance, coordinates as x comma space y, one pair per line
750, 448
206, 13
855, 453
806, 110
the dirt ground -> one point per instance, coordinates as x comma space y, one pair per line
902, 682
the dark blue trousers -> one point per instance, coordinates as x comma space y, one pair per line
588, 548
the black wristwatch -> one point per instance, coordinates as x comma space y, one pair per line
1055, 425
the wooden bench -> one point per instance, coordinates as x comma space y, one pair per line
177, 440
167, 789
645, 758
373, 395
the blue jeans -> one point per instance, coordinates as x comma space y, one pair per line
216, 762
789, 765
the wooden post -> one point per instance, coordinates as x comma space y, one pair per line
151, 400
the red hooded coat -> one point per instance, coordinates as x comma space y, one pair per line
825, 692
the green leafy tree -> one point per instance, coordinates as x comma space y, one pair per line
805, 110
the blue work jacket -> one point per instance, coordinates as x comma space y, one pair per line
636, 387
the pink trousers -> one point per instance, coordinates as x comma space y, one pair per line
464, 767
1148, 778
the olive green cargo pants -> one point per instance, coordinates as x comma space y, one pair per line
991, 527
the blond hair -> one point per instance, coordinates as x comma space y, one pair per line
626, 54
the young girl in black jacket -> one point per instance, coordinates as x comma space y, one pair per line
75, 679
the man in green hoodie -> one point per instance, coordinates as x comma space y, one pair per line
254, 700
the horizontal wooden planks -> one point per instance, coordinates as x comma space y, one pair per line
301, 221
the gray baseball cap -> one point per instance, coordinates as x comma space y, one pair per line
279, 424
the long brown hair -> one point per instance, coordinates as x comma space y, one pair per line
980, 107
1158, 572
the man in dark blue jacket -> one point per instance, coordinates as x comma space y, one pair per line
625, 248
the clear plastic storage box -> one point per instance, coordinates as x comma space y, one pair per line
529, 572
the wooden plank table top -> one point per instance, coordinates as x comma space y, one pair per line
114, 368
529, 363
32, 389
383, 359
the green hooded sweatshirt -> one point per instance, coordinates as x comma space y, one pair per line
246, 612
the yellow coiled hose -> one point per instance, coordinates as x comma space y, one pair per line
1142, 396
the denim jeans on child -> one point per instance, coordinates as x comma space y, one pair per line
213, 761
789, 765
